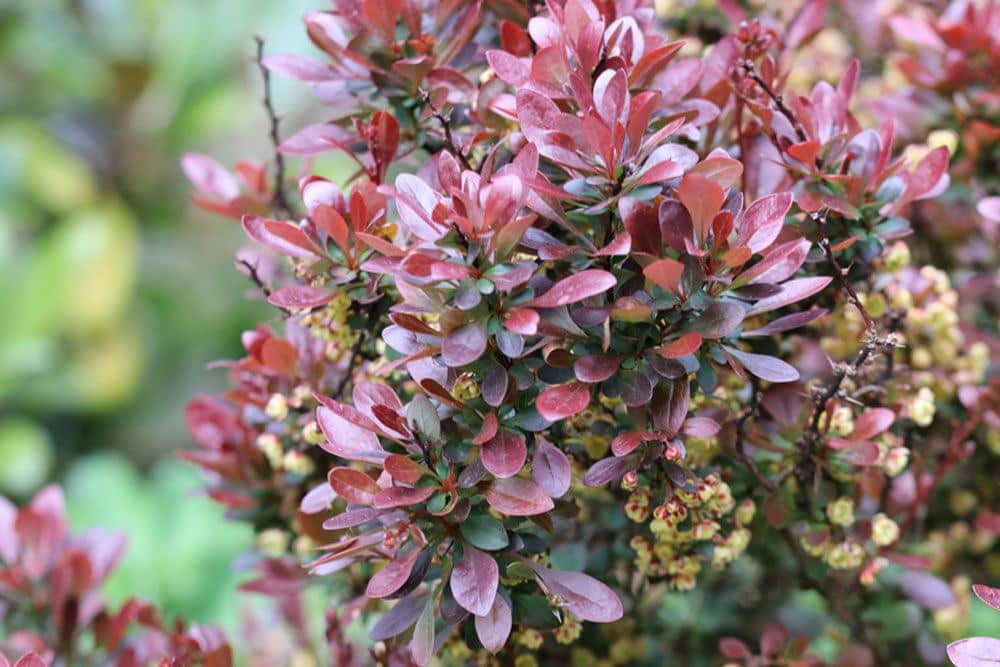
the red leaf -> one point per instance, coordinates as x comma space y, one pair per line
489, 429
872, 422
390, 578
734, 649
666, 273
764, 366
505, 454
550, 468
346, 438
299, 297
522, 320
703, 198
607, 470
625, 443
474, 581
400, 496
719, 319
793, 321
683, 346
596, 367
518, 497
576, 287
762, 222
563, 401
862, 454
493, 628
279, 355
511, 69
353, 485
403, 469
281, 237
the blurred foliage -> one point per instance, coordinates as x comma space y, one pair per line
116, 292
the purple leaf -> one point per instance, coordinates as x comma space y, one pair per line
401, 496
975, 652
504, 455
422, 642
872, 422
346, 439
926, 590
317, 500
719, 319
550, 468
763, 220
764, 366
352, 518
584, 596
793, 321
791, 292
701, 427
493, 628
596, 367
464, 345
281, 237
576, 287
392, 576
608, 470
474, 581
398, 619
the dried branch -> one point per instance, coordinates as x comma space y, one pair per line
279, 203
453, 147
259, 282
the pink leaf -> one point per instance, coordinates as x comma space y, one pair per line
550, 468
494, 627
701, 427
522, 320
793, 321
511, 69
975, 652
989, 595
862, 454
989, 208
299, 297
518, 497
210, 177
702, 198
474, 581
403, 469
625, 443
346, 439
576, 287
353, 485
505, 454
351, 518
298, 68
719, 319
764, 366
563, 400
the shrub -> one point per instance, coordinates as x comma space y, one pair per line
605, 324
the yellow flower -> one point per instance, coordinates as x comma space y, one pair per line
841, 511
884, 530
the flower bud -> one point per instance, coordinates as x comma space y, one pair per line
277, 407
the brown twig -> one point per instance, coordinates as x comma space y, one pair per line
259, 282
779, 102
741, 425
453, 147
279, 203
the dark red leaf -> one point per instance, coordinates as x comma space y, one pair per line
401, 496
563, 401
505, 454
390, 578
518, 497
666, 273
550, 468
596, 367
989, 595
574, 288
353, 485
683, 346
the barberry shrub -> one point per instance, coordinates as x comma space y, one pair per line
591, 298
619, 312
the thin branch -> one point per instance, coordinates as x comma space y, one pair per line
259, 282
741, 426
824, 243
278, 200
453, 147
779, 102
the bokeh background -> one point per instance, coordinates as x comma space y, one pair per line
116, 291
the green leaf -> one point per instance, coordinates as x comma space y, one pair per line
485, 532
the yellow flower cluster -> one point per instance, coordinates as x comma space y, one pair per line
329, 324
682, 524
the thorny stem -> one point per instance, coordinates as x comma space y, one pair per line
259, 282
278, 201
824, 243
779, 102
741, 425
453, 147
